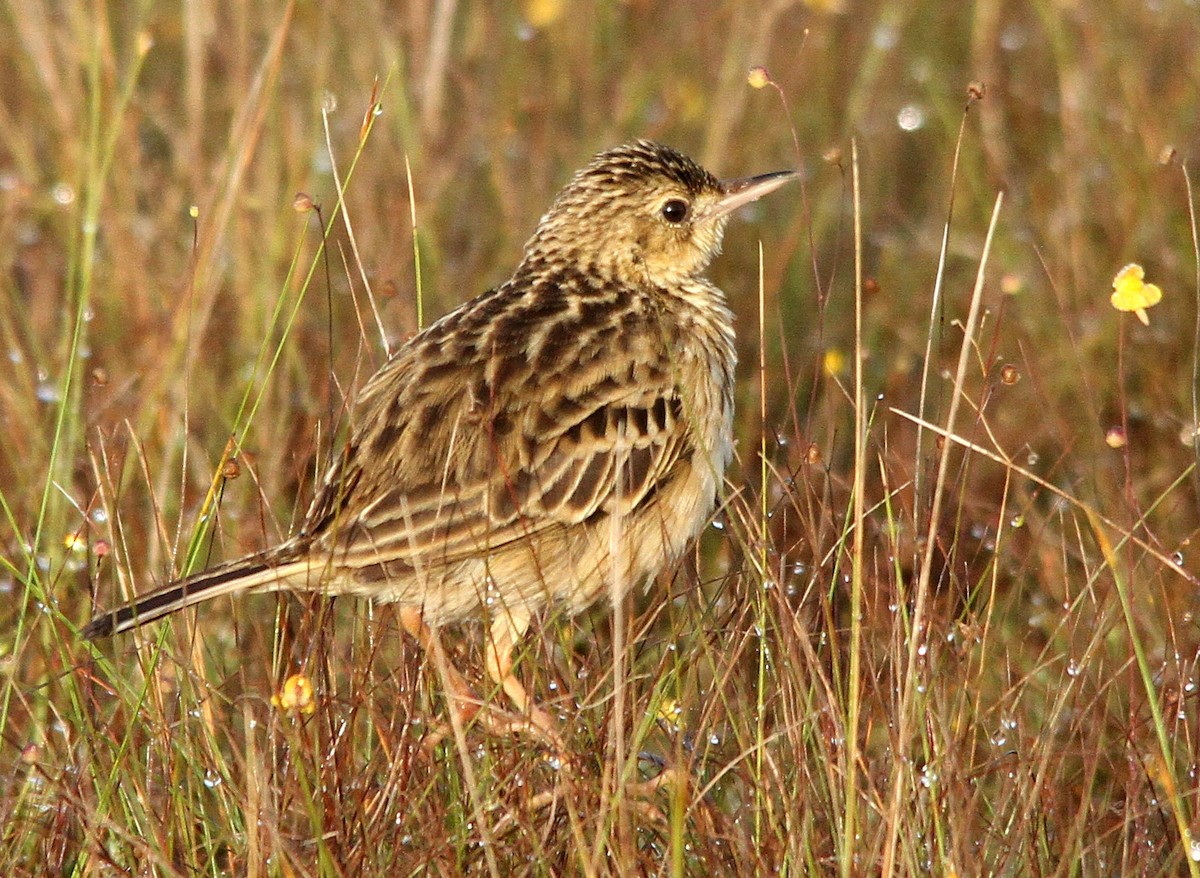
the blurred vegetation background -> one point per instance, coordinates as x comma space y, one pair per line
155, 255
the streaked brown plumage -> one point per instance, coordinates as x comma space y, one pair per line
563, 433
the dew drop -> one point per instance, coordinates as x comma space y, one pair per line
1013, 37
48, 392
885, 36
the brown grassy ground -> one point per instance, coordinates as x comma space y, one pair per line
848, 688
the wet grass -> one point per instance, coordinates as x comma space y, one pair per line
963, 647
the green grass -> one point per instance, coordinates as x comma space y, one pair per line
848, 681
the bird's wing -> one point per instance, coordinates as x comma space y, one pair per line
601, 452
442, 472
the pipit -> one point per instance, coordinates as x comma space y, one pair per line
557, 439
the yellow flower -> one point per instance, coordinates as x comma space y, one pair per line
1011, 284
758, 77
1132, 293
835, 362
670, 711
296, 695
541, 13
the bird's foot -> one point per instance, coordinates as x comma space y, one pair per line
470, 710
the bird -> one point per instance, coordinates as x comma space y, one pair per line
559, 439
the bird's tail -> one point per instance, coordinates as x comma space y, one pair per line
266, 571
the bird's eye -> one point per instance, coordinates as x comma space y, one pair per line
675, 210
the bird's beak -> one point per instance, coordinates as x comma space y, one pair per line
736, 193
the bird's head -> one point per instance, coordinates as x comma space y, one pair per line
644, 211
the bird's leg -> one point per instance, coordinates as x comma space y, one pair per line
507, 629
461, 699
